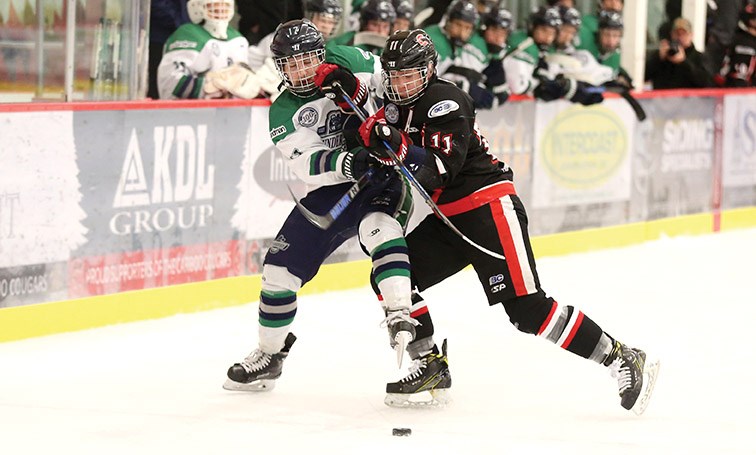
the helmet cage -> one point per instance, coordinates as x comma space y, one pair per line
405, 86
298, 71
214, 14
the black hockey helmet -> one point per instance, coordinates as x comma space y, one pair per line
611, 19
411, 53
462, 10
332, 7
298, 48
545, 15
570, 16
497, 18
377, 10
405, 9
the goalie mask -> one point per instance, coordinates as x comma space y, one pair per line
409, 62
298, 49
213, 14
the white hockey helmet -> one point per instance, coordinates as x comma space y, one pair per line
213, 14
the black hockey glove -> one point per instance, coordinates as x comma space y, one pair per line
326, 78
587, 94
552, 89
374, 132
483, 98
356, 162
495, 74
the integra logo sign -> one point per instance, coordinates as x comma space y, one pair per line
180, 173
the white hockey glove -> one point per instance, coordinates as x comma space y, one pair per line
238, 80
269, 79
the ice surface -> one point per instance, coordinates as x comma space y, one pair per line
155, 386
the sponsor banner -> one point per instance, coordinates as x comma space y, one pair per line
40, 212
142, 269
674, 158
33, 284
582, 155
509, 131
739, 141
264, 200
158, 179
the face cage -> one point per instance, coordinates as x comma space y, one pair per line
304, 63
405, 92
219, 11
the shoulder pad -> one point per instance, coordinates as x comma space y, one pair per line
443, 100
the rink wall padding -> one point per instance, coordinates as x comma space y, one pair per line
117, 212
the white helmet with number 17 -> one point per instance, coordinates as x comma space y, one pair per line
213, 14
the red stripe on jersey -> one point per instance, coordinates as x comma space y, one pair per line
510, 252
548, 318
419, 311
574, 330
478, 199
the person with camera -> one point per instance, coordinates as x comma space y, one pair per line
677, 63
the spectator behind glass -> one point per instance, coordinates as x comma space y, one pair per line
720, 31
677, 63
259, 18
165, 17
739, 66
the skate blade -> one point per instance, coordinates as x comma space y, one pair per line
650, 373
263, 385
437, 398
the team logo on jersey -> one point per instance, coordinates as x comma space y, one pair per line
279, 244
392, 113
308, 117
442, 108
215, 47
277, 131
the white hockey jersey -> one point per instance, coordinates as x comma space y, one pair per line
190, 53
308, 131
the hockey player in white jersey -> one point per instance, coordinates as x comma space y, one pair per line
324, 14
206, 58
308, 127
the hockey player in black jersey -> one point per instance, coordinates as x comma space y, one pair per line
739, 66
431, 126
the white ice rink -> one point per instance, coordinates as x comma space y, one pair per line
155, 387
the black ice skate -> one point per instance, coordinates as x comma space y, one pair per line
259, 371
635, 374
427, 374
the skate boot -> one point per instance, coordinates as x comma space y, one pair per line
635, 374
401, 329
259, 371
427, 374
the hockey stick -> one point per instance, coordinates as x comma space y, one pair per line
325, 221
624, 92
407, 174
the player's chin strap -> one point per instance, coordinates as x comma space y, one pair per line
406, 173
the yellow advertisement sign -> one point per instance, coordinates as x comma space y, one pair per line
582, 154
583, 148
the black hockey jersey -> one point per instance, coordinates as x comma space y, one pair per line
443, 123
740, 62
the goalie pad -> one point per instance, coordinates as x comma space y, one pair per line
238, 80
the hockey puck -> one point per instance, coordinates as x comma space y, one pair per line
401, 431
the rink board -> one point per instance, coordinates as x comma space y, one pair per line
56, 317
